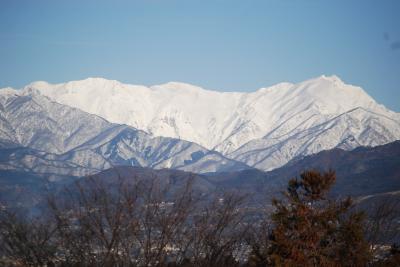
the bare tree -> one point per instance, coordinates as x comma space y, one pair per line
26, 242
217, 238
258, 240
131, 222
94, 222
136, 221
382, 224
162, 217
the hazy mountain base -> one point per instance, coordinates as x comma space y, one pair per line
360, 173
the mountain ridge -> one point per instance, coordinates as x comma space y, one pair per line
264, 129
39, 125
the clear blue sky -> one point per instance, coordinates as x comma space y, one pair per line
225, 45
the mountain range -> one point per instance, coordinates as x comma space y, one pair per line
54, 134
51, 139
85, 126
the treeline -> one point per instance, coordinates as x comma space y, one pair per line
136, 222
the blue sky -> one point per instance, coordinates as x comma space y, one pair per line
225, 45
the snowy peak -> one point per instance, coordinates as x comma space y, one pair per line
178, 86
332, 94
88, 82
9, 91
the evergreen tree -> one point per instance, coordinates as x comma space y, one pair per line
311, 230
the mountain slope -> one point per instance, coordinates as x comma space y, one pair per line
357, 127
34, 121
364, 171
44, 130
264, 129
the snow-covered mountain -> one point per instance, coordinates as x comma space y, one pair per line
42, 136
265, 129
357, 127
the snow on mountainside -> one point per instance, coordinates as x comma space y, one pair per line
43, 136
357, 127
264, 129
